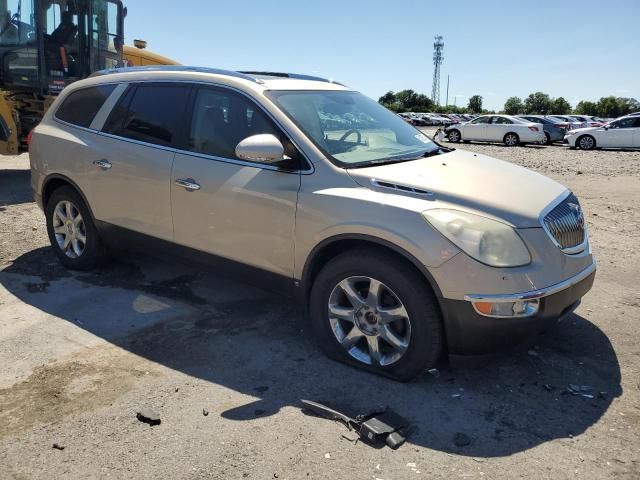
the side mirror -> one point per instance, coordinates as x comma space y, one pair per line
265, 148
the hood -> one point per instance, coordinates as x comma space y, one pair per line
468, 181
577, 131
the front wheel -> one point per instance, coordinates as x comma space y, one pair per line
586, 142
454, 136
370, 310
71, 230
511, 140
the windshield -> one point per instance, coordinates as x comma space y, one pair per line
17, 22
351, 129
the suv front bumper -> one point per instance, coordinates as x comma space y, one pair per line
469, 332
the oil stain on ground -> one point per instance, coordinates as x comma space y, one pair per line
89, 380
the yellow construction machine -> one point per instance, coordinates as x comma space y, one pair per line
46, 45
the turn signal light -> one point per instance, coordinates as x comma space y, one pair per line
507, 309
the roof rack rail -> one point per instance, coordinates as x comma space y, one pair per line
174, 68
296, 76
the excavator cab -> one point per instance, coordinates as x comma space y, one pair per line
47, 44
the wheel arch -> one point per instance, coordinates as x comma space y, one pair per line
333, 246
55, 181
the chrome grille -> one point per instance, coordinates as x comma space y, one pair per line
565, 223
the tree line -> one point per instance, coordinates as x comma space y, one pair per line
537, 103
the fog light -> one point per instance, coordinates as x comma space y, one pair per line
523, 308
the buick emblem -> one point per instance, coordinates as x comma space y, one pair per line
577, 212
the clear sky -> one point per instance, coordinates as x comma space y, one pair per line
579, 49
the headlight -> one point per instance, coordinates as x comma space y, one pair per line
486, 240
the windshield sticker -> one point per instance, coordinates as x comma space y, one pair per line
422, 137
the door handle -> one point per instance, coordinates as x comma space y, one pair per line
104, 164
188, 184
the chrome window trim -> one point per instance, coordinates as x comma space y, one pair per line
584, 246
307, 171
101, 117
534, 294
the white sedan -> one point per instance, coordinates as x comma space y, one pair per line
507, 129
621, 133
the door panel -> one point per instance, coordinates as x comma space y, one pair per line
619, 137
475, 131
134, 192
242, 213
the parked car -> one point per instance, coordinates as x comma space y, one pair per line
553, 131
572, 123
400, 248
407, 118
621, 133
588, 120
508, 129
441, 119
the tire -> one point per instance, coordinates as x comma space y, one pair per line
454, 136
75, 254
547, 139
586, 142
420, 330
511, 139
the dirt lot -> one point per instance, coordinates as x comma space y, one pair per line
80, 354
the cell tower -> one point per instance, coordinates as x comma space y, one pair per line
438, 57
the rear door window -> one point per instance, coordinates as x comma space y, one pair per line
150, 113
81, 106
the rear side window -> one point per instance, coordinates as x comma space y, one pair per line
81, 106
150, 113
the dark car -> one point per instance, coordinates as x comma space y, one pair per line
554, 131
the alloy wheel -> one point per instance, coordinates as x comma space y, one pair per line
586, 143
369, 321
511, 140
69, 229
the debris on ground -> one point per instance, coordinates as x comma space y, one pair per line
205, 412
434, 372
580, 390
548, 387
149, 417
381, 426
456, 395
461, 440
532, 353
58, 446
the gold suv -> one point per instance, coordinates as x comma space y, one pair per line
401, 249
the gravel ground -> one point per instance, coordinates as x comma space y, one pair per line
80, 354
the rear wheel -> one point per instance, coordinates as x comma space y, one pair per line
71, 230
454, 136
370, 310
511, 139
547, 139
586, 142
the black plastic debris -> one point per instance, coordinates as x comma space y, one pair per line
149, 417
379, 426
57, 446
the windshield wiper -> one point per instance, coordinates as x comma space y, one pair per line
392, 160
